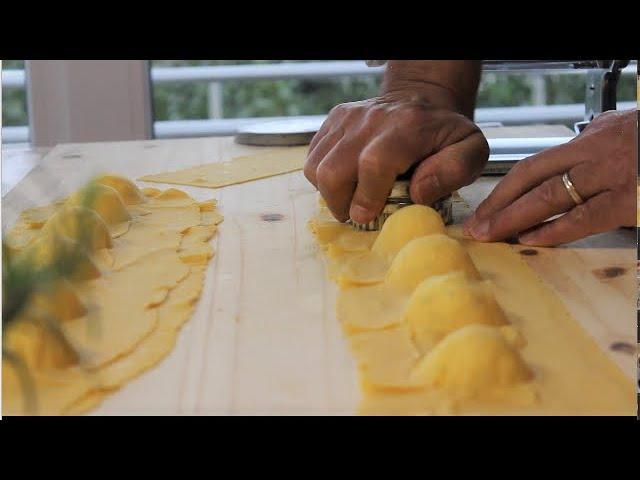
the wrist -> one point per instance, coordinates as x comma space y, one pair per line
448, 84
421, 91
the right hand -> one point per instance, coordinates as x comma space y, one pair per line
362, 147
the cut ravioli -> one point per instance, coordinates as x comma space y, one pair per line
40, 346
59, 301
129, 192
58, 254
130, 293
427, 256
414, 333
172, 314
472, 361
104, 200
441, 304
405, 225
82, 225
120, 318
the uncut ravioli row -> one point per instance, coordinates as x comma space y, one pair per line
139, 259
426, 330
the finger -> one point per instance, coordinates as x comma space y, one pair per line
337, 174
324, 129
379, 164
525, 175
537, 205
315, 156
451, 168
593, 216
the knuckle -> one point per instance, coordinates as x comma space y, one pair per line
411, 114
353, 113
521, 168
326, 176
619, 174
607, 116
373, 164
338, 111
309, 171
582, 215
375, 114
546, 193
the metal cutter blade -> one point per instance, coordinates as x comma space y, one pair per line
399, 198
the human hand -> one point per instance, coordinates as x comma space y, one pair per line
602, 165
362, 147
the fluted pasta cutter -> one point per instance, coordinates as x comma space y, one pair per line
399, 198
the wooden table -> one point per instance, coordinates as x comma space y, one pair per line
264, 338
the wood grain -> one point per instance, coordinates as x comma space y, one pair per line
264, 338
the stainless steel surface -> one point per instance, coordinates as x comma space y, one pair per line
602, 86
294, 131
500, 164
298, 131
501, 146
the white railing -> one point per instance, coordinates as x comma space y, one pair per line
273, 71
15, 79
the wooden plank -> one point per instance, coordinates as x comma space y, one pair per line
264, 338
17, 162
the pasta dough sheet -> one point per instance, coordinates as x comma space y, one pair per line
446, 325
238, 170
123, 312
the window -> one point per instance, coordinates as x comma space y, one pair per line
15, 119
214, 97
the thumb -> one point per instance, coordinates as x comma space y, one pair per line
453, 167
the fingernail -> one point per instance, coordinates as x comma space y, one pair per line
527, 239
480, 230
360, 214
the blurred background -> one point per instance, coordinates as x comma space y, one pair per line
213, 97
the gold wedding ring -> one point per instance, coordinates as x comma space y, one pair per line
568, 184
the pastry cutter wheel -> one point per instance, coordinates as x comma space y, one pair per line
398, 198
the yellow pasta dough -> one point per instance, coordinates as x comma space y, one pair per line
240, 169
426, 256
472, 361
444, 303
431, 334
103, 200
81, 225
129, 191
403, 226
51, 249
121, 305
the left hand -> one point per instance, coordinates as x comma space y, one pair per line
602, 165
